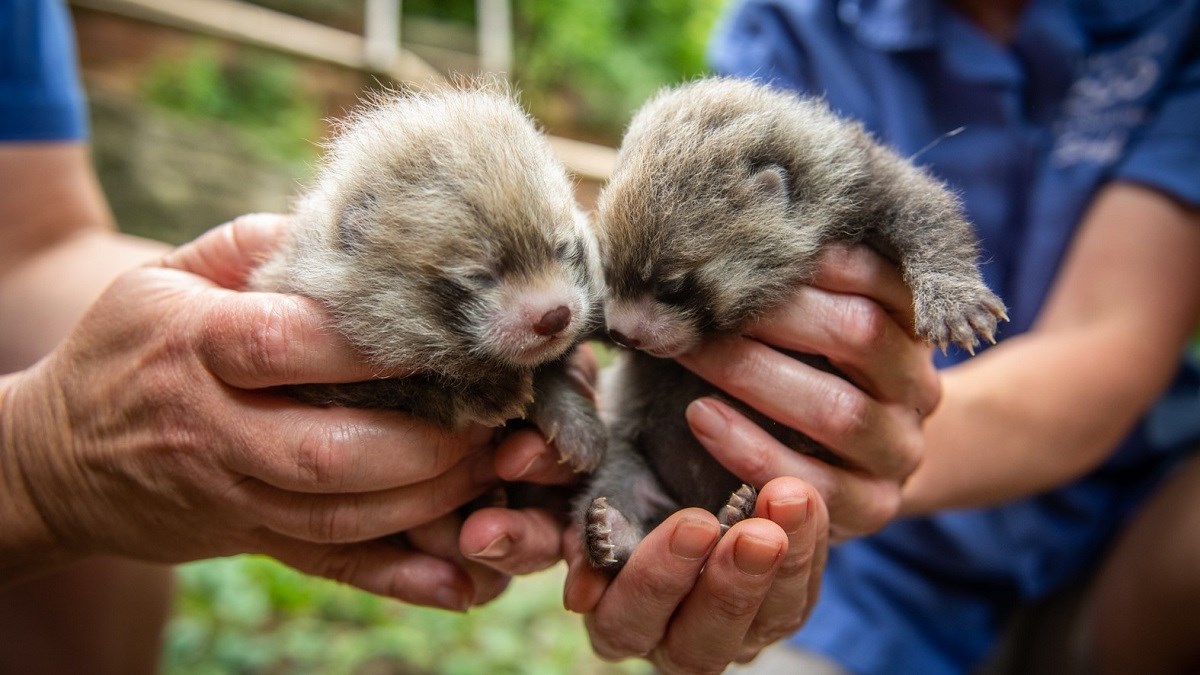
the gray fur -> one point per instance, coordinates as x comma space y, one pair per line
724, 195
437, 232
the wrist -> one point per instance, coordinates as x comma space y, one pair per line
28, 545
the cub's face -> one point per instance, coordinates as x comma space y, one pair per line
703, 256
516, 288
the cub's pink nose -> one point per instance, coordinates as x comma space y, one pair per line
553, 322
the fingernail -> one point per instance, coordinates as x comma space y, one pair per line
693, 538
538, 462
791, 513
754, 555
706, 419
453, 599
498, 548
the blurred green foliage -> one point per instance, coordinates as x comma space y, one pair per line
582, 66
255, 92
598, 61
250, 614
585, 66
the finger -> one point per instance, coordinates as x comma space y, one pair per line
708, 631
227, 254
512, 541
257, 340
632, 616
302, 448
378, 567
882, 439
857, 269
585, 585
799, 510
583, 368
525, 456
342, 518
440, 538
861, 340
857, 503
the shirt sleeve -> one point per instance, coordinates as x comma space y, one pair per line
1166, 152
41, 98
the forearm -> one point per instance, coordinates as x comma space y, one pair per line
1031, 414
1045, 407
47, 294
60, 246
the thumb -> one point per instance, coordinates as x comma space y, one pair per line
225, 255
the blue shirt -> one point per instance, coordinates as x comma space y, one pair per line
40, 95
1088, 92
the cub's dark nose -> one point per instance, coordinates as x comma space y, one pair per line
623, 339
553, 322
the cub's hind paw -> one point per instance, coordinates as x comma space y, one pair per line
609, 538
945, 319
739, 507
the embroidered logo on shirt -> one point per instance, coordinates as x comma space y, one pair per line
1107, 101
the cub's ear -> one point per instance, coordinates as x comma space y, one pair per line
770, 181
354, 221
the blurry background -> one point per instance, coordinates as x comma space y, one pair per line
206, 109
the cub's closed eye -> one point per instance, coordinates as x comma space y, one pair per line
563, 250
670, 290
481, 278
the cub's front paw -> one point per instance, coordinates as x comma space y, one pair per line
577, 433
957, 314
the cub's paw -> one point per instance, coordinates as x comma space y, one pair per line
739, 507
957, 314
608, 537
579, 436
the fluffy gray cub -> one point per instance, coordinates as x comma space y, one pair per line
445, 240
724, 195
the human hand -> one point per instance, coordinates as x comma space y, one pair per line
858, 314
691, 602
154, 432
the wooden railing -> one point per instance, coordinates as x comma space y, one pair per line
262, 27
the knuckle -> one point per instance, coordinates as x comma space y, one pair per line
339, 565
909, 451
740, 370
335, 521
795, 564
612, 640
732, 604
755, 461
863, 325
847, 412
320, 458
881, 507
270, 339
671, 660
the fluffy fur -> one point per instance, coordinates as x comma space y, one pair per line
724, 195
445, 240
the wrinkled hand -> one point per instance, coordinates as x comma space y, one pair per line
153, 432
857, 313
691, 602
